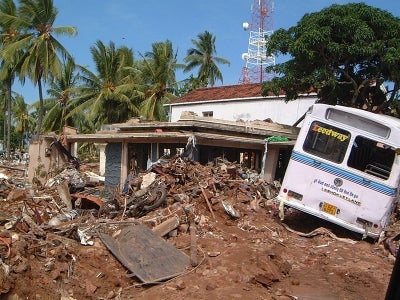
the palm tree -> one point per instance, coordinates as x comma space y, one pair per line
202, 56
61, 91
158, 70
23, 121
3, 110
42, 51
107, 96
10, 28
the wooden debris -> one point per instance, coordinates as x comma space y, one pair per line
95, 199
208, 202
193, 244
166, 226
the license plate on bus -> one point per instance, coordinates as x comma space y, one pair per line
329, 208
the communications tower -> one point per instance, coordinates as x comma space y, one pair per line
261, 28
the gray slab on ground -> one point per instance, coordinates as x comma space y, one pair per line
148, 256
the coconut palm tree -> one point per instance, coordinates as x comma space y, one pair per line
158, 72
23, 121
61, 91
202, 56
3, 115
10, 28
108, 96
43, 53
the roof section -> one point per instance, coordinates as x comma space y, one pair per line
239, 91
206, 128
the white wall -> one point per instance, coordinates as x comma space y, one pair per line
275, 109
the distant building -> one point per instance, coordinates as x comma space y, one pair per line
240, 102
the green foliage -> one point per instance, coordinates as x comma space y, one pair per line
88, 152
158, 72
15, 140
202, 56
61, 92
108, 96
119, 88
395, 106
344, 52
23, 121
188, 85
40, 52
10, 28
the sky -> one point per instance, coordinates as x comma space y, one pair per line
138, 24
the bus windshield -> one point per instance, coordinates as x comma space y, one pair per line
327, 141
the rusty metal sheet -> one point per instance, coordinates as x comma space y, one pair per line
148, 256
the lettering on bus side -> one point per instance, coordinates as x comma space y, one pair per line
341, 137
338, 191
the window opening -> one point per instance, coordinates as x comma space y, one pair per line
371, 157
208, 114
327, 141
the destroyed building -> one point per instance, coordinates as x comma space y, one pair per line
234, 122
261, 146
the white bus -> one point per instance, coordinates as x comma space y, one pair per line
345, 168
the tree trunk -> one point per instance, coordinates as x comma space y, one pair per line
41, 109
9, 99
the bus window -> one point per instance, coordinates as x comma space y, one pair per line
326, 141
371, 157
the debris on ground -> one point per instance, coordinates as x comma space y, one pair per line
183, 231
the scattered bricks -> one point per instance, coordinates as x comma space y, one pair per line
90, 287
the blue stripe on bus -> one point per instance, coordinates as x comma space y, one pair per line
344, 174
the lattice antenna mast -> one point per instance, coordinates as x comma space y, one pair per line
261, 28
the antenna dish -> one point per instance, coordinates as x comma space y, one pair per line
246, 26
245, 56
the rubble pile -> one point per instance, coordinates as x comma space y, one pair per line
71, 238
69, 208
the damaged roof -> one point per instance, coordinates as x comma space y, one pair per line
239, 91
230, 92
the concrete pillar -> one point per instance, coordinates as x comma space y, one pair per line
270, 163
102, 167
154, 156
74, 149
124, 163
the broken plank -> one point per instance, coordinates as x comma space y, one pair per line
207, 201
91, 198
166, 226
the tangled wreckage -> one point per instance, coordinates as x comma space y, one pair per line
175, 197
175, 219
170, 198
